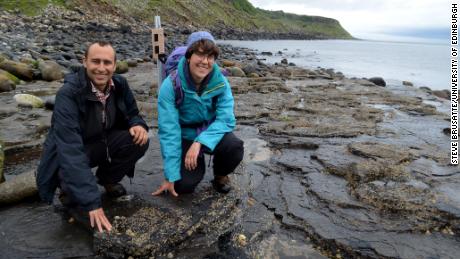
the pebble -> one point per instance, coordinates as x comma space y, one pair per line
242, 240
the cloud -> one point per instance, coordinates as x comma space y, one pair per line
371, 16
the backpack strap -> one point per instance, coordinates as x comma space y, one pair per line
177, 87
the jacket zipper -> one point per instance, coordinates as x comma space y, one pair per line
213, 89
104, 125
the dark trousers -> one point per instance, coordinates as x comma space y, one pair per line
227, 155
122, 156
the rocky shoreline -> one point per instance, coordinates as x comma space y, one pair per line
334, 167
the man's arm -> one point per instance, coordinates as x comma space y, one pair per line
73, 162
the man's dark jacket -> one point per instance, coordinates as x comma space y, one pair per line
77, 121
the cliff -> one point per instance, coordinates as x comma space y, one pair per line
236, 19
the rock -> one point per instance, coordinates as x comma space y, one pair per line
266, 53
378, 81
253, 75
236, 71
27, 59
228, 63
132, 63
2, 159
7, 81
447, 131
18, 69
18, 188
249, 68
152, 231
29, 100
407, 83
6, 84
242, 240
122, 67
425, 88
50, 70
49, 103
284, 61
445, 94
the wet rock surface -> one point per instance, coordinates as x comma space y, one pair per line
334, 167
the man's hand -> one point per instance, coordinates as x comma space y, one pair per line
140, 135
191, 158
166, 186
97, 216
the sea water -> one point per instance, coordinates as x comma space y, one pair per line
422, 63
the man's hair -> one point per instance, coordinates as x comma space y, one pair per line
101, 43
208, 47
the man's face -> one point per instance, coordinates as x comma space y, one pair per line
100, 65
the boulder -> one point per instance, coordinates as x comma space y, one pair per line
249, 68
6, 84
28, 100
122, 67
378, 81
228, 63
445, 94
132, 62
236, 71
407, 83
426, 89
50, 70
284, 61
18, 188
155, 230
8, 81
18, 69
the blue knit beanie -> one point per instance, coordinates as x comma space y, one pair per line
199, 35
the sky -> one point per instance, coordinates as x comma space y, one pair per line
375, 19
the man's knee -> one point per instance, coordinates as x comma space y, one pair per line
135, 150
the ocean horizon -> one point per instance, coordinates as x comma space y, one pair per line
423, 62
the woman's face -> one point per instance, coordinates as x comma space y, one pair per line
200, 65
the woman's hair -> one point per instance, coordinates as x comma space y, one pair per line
208, 47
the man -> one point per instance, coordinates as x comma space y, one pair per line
95, 122
202, 123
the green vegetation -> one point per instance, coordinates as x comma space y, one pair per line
244, 6
236, 14
29, 7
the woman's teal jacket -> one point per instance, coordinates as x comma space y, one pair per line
193, 110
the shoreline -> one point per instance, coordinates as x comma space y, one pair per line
316, 57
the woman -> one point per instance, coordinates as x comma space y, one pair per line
202, 123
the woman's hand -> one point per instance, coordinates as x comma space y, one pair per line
191, 158
166, 187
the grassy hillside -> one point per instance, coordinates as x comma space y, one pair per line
29, 7
235, 14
